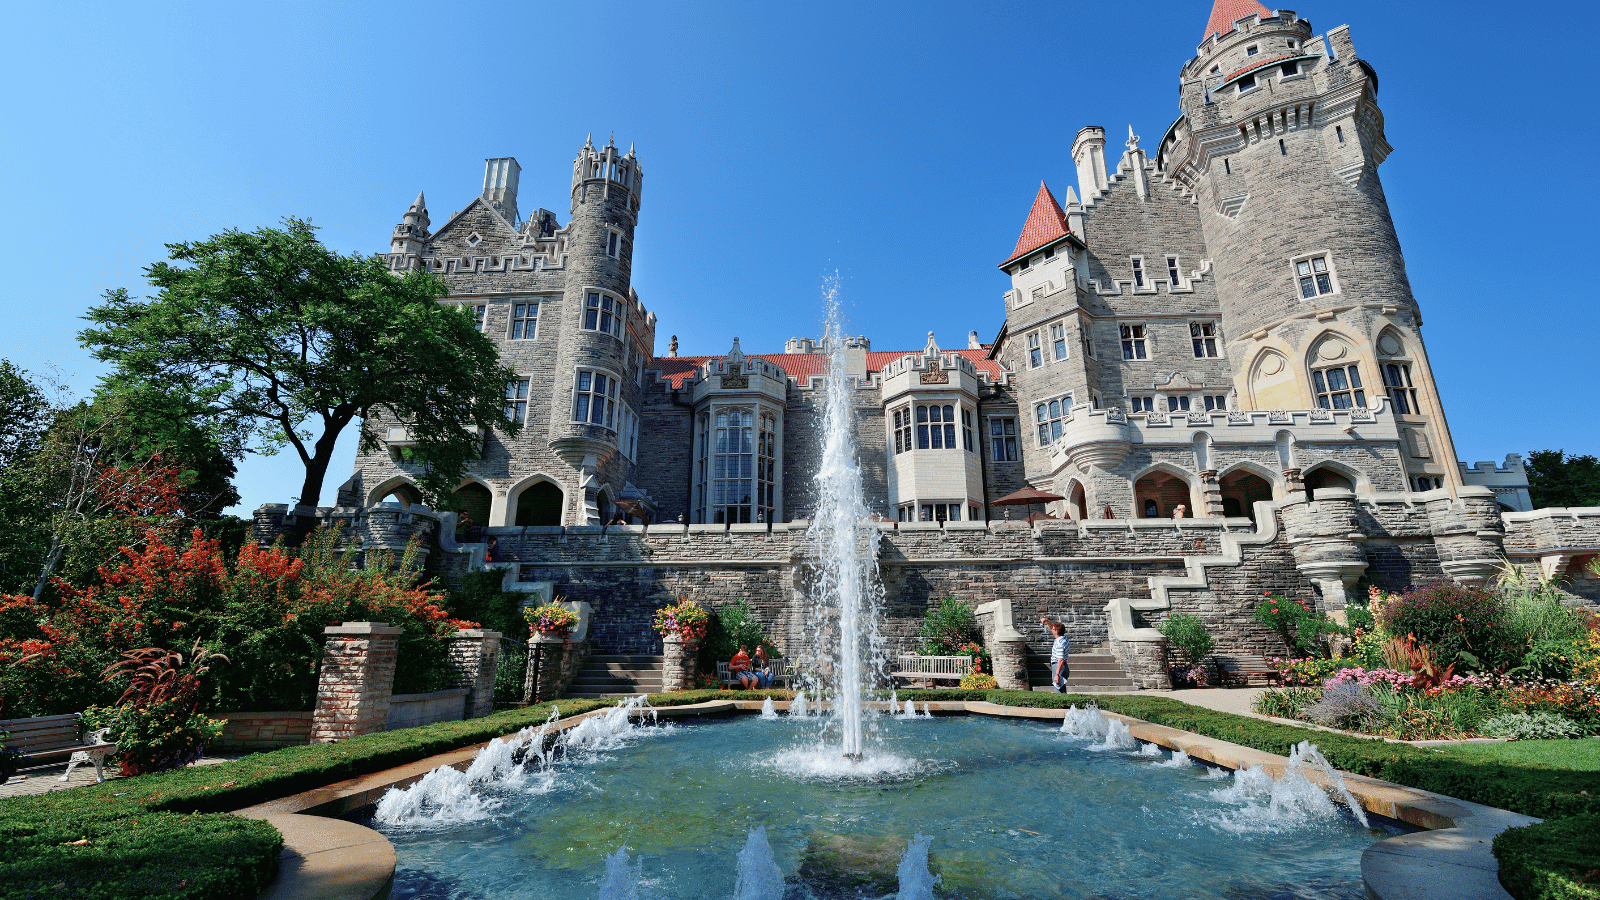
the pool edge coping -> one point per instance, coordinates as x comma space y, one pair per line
1452, 859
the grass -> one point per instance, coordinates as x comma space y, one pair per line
1581, 755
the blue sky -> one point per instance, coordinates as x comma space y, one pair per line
899, 144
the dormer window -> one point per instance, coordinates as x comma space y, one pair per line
1247, 84
1291, 44
1251, 50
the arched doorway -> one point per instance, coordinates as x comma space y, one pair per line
1159, 493
539, 504
404, 494
473, 501
602, 506
1077, 501
1326, 478
1240, 490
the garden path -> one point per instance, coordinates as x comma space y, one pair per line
43, 780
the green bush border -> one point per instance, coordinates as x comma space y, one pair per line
1557, 860
145, 831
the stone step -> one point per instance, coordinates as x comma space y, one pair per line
621, 667
621, 658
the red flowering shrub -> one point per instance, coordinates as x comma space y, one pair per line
266, 613
1462, 624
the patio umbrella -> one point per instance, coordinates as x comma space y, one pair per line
1028, 496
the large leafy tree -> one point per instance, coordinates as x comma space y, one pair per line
287, 343
1556, 479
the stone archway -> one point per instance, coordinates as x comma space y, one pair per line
1158, 493
540, 503
474, 501
1326, 477
1240, 490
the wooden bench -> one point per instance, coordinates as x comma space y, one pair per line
782, 671
926, 668
1245, 669
52, 736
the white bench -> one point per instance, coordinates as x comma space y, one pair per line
927, 668
49, 736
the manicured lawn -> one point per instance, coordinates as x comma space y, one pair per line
1582, 755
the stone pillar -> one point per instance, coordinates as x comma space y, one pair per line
552, 664
356, 680
1211, 494
1469, 534
1328, 545
677, 665
474, 654
1292, 482
1144, 659
1010, 664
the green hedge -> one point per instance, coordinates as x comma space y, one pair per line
1558, 860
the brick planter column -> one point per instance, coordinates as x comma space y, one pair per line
474, 654
677, 665
356, 680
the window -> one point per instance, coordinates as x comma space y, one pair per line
1227, 167
1247, 84
1133, 342
613, 244
766, 468
630, 433
1035, 355
524, 321
1291, 68
1251, 51
595, 399
1315, 278
1204, 337
1338, 132
1142, 404
966, 430
1003, 438
1177, 404
1338, 387
516, 408
1172, 272
1402, 393
1088, 343
936, 427
1049, 417
1217, 402
941, 512
479, 313
602, 313
1282, 150
902, 429
741, 466
1058, 340
1427, 483
1138, 272
1050, 253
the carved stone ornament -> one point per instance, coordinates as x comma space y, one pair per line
935, 373
735, 382
1238, 417
1155, 418
1199, 418
1279, 417
1116, 416
1362, 414
1320, 415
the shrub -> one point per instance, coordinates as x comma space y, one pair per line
1300, 626
1288, 703
1312, 671
1555, 860
1571, 700
510, 672
947, 625
1532, 726
1436, 715
1188, 635
1345, 704
481, 600
1586, 658
1464, 625
977, 681
1534, 610
1553, 659
730, 627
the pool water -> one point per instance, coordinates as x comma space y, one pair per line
1013, 810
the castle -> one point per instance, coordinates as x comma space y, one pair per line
1211, 349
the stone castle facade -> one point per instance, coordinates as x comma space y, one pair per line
1211, 353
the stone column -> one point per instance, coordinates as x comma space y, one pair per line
677, 665
474, 654
1010, 664
1211, 494
356, 680
1468, 533
1328, 545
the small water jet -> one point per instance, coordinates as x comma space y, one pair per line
622, 880
916, 881
759, 875
768, 711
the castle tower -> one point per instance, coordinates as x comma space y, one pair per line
603, 331
412, 233
500, 186
1279, 145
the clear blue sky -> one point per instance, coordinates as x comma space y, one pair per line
897, 143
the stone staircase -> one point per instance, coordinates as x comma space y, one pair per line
604, 676
1091, 670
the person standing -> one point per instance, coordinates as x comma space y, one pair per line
1059, 650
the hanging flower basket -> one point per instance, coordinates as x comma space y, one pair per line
686, 620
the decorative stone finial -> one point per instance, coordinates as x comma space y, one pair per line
1133, 140
672, 346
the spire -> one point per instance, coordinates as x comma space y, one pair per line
1045, 225
1072, 195
1226, 12
588, 141
419, 205
1133, 139
631, 145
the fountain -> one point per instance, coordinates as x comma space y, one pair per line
846, 593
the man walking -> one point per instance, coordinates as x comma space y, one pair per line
1059, 651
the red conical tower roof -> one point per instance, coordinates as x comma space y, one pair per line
1046, 224
1226, 12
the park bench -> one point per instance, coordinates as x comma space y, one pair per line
912, 667
782, 673
52, 736
1245, 670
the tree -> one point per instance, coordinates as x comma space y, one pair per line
24, 415
274, 332
1556, 479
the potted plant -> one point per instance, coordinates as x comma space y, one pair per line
553, 619
685, 620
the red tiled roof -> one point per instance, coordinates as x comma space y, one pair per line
1226, 12
1253, 66
801, 366
1045, 224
